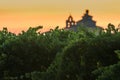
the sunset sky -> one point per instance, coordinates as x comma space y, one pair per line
18, 15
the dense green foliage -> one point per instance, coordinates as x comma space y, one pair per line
87, 54
111, 72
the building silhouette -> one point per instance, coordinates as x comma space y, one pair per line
86, 21
70, 22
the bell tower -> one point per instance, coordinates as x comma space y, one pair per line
70, 22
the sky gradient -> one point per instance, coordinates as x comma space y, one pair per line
18, 15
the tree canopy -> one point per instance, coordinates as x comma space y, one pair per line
87, 54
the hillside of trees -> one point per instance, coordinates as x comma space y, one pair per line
60, 54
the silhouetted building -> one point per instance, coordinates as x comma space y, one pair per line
70, 22
86, 21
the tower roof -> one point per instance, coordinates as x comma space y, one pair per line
70, 16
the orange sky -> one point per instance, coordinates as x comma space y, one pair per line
18, 15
